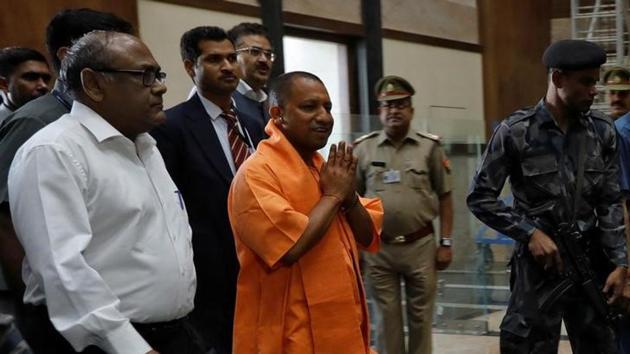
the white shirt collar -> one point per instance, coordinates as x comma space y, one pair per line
211, 108
100, 128
247, 91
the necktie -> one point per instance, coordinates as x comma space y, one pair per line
239, 149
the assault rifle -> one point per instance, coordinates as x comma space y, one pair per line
577, 273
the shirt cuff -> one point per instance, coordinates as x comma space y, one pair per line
620, 259
523, 232
125, 340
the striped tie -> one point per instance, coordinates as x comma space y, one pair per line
240, 152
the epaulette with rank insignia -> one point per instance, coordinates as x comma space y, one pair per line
429, 136
365, 137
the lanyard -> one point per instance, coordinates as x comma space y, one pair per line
59, 96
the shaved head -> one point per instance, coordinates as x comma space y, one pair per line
282, 85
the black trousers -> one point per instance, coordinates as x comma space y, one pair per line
588, 334
525, 330
173, 337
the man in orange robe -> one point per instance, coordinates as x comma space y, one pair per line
297, 221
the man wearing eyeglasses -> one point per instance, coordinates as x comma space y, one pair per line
410, 173
106, 236
64, 28
24, 76
204, 141
255, 61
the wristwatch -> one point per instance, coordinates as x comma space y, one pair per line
446, 241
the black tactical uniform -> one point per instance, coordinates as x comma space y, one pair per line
541, 163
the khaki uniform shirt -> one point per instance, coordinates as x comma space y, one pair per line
408, 179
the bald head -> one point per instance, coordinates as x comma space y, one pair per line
97, 50
116, 75
282, 86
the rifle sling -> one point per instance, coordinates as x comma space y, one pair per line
579, 179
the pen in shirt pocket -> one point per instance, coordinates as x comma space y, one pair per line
181, 200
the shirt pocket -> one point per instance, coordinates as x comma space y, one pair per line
541, 175
417, 177
593, 174
374, 180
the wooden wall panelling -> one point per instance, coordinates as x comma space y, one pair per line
23, 23
514, 35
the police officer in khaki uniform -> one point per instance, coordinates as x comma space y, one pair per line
617, 82
411, 174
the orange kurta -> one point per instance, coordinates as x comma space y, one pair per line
316, 305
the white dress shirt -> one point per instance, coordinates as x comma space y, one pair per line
221, 128
104, 229
247, 91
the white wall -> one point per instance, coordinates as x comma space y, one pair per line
452, 19
327, 60
448, 83
449, 98
161, 26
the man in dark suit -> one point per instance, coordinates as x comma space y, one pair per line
255, 60
203, 142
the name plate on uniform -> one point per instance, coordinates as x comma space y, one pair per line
391, 176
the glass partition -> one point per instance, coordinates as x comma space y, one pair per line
473, 292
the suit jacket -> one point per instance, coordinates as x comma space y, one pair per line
251, 107
196, 162
20, 126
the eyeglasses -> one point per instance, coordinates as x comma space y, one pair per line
149, 75
257, 52
398, 104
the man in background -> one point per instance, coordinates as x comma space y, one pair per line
409, 171
204, 142
24, 76
255, 61
617, 84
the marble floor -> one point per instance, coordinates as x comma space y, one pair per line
463, 344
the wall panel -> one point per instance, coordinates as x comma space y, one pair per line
448, 84
161, 27
514, 35
23, 23
449, 19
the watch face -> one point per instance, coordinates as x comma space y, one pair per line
446, 242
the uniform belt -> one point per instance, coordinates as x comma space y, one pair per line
416, 235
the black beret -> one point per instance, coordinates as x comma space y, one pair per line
572, 54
